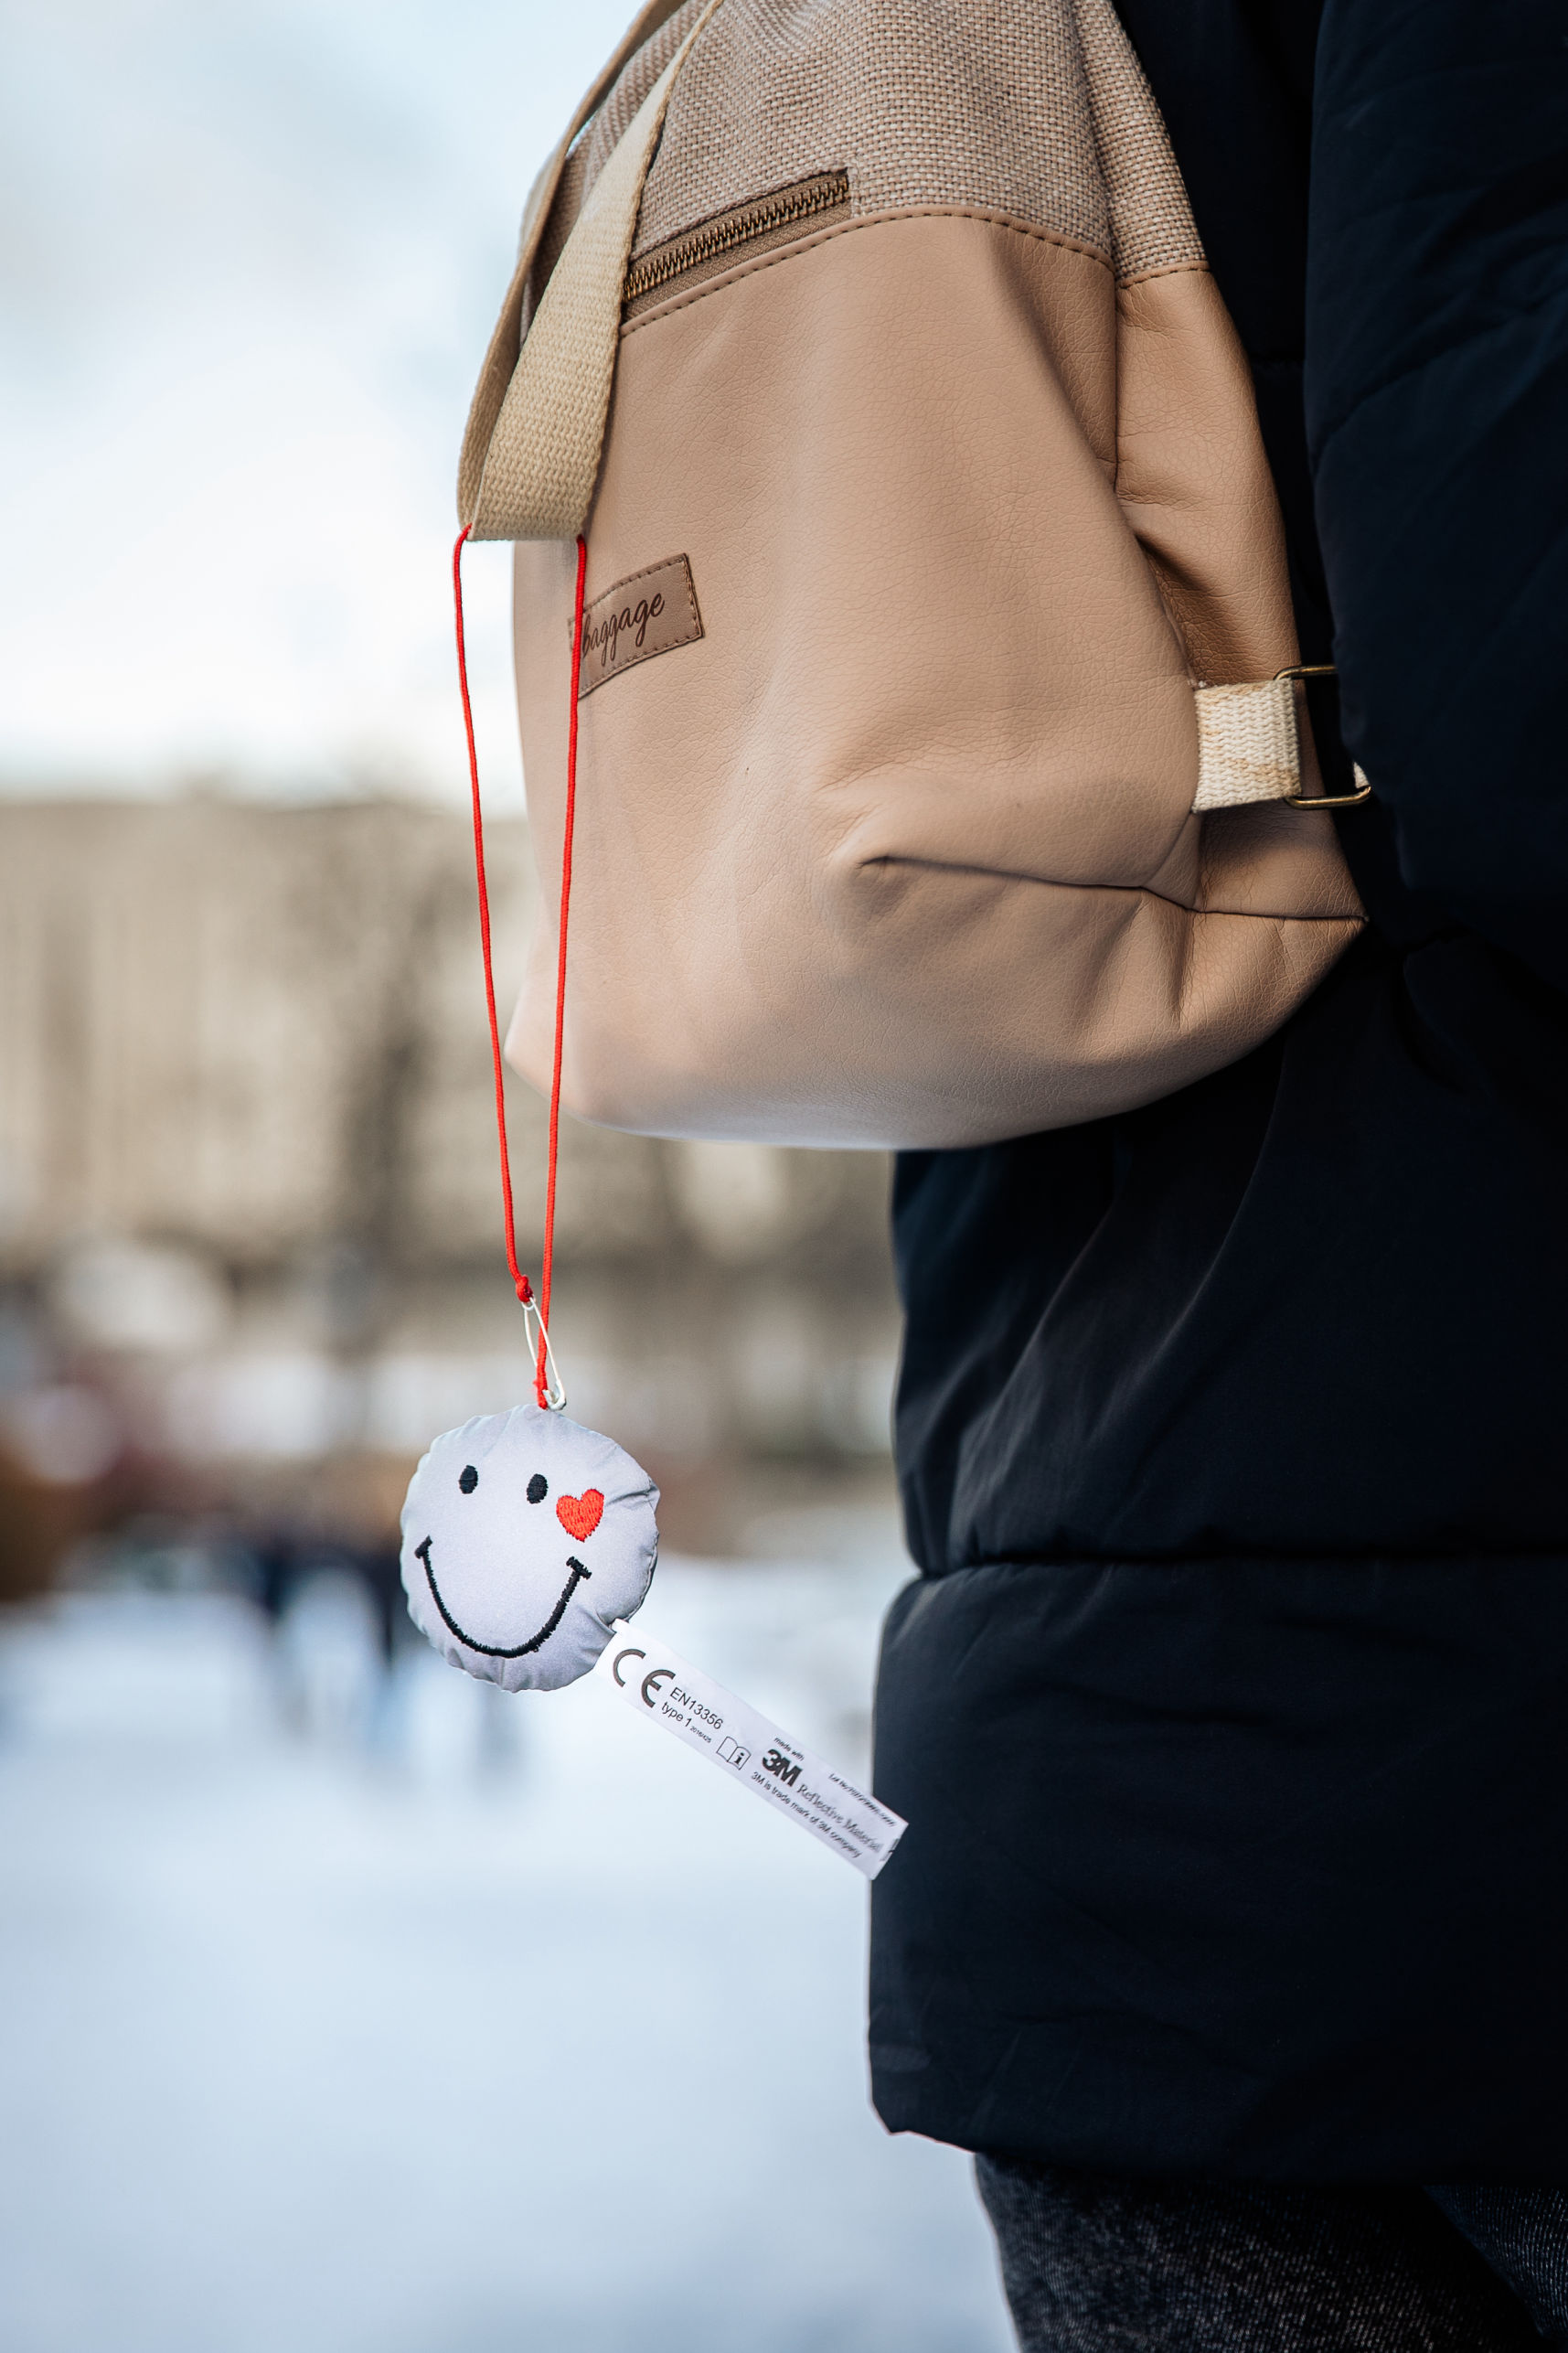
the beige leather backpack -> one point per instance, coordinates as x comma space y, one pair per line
936, 779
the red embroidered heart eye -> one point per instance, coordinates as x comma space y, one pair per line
579, 1515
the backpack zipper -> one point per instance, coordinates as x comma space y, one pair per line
708, 248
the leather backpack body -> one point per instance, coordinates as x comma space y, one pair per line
935, 780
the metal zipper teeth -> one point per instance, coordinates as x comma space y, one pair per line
826, 193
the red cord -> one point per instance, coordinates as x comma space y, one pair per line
568, 823
520, 1283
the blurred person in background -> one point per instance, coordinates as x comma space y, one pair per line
1229, 1712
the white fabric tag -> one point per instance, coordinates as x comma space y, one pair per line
660, 1685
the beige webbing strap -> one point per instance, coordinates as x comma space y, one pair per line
501, 357
1248, 748
537, 474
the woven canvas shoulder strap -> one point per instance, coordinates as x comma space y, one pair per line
530, 456
501, 359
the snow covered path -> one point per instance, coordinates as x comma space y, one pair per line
446, 2024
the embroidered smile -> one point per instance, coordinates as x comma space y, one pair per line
497, 1649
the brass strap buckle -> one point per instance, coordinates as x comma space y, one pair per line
1324, 800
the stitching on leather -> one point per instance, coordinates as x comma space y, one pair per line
1173, 270
866, 220
644, 572
648, 653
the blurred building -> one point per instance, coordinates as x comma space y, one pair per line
249, 1193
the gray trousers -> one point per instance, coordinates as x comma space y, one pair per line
1096, 2264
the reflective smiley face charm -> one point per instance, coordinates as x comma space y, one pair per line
524, 1537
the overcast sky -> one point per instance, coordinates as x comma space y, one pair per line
249, 256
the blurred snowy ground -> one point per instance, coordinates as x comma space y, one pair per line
339, 2012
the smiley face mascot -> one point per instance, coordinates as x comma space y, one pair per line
525, 1537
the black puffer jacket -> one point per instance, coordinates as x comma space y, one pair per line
1229, 1712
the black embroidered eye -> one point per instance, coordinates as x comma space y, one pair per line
469, 1478
539, 1487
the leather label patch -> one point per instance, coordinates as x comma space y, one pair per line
648, 613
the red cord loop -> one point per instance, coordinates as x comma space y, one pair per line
547, 1383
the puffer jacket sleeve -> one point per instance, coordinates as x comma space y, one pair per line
1437, 420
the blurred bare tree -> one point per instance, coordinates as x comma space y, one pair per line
247, 1156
